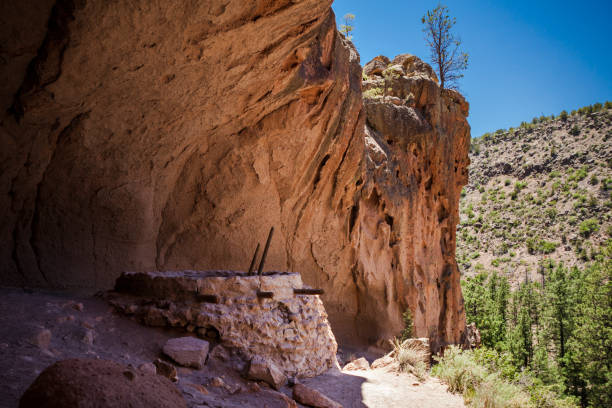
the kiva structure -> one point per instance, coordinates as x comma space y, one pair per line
288, 328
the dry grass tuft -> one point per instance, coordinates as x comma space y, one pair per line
411, 356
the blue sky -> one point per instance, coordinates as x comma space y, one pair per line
527, 58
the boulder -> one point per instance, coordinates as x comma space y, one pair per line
313, 398
376, 66
263, 370
92, 383
187, 351
358, 364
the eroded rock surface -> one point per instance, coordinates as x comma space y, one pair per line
417, 139
173, 136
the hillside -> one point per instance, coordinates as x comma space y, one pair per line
538, 192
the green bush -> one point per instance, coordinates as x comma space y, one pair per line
579, 174
487, 379
574, 131
408, 325
547, 247
373, 93
587, 227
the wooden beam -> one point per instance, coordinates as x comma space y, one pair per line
208, 298
253, 260
265, 252
306, 291
265, 295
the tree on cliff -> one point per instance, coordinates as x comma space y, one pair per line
347, 27
445, 48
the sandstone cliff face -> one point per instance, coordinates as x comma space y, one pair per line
417, 139
153, 136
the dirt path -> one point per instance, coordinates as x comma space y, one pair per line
39, 328
381, 389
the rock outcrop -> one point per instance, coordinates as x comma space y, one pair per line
416, 145
142, 136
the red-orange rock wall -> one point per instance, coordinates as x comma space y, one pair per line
152, 136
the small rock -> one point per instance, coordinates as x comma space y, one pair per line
131, 309
87, 325
266, 371
129, 375
290, 403
43, 339
184, 370
166, 370
187, 351
220, 353
383, 362
254, 387
199, 388
394, 100
313, 398
359, 364
217, 382
78, 306
207, 333
88, 338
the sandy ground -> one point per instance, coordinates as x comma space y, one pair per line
379, 389
39, 328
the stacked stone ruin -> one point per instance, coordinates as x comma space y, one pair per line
270, 316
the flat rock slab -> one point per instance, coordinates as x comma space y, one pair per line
187, 351
313, 398
263, 370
